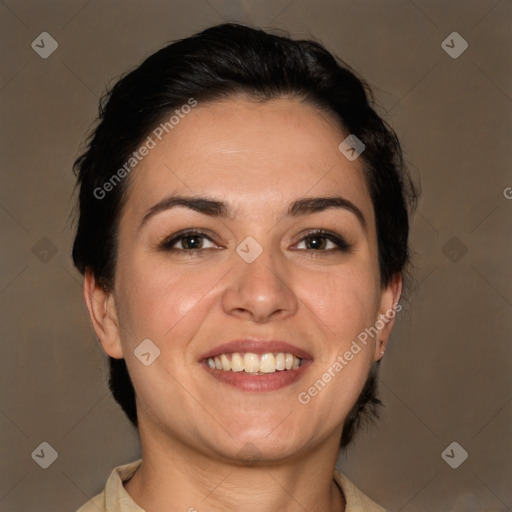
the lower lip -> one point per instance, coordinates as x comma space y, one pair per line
267, 382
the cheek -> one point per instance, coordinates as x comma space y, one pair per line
346, 300
345, 306
155, 299
158, 300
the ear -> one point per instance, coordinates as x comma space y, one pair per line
102, 310
389, 308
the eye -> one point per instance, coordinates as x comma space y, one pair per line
319, 240
192, 241
189, 241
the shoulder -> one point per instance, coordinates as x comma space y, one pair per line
96, 504
114, 498
356, 500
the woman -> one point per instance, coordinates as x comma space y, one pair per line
243, 230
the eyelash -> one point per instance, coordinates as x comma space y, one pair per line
339, 241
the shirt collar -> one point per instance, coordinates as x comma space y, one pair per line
116, 499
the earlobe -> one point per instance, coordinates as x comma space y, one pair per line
389, 308
102, 311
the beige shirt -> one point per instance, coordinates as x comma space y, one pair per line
115, 498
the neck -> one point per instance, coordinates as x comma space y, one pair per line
172, 473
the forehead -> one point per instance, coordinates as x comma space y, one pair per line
250, 154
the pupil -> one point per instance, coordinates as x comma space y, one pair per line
192, 237
314, 244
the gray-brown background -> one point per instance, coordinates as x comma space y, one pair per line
447, 374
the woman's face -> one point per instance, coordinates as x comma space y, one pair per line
257, 273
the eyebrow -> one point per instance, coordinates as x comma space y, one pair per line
216, 208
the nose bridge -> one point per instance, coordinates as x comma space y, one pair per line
263, 261
259, 265
259, 282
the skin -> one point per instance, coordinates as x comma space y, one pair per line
195, 430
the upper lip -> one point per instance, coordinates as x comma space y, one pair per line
256, 347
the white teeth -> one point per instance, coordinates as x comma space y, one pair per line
254, 363
251, 362
268, 363
226, 365
237, 362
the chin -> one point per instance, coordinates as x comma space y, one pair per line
254, 445
260, 451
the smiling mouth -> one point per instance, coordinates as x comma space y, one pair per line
255, 364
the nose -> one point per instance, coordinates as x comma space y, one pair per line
260, 291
